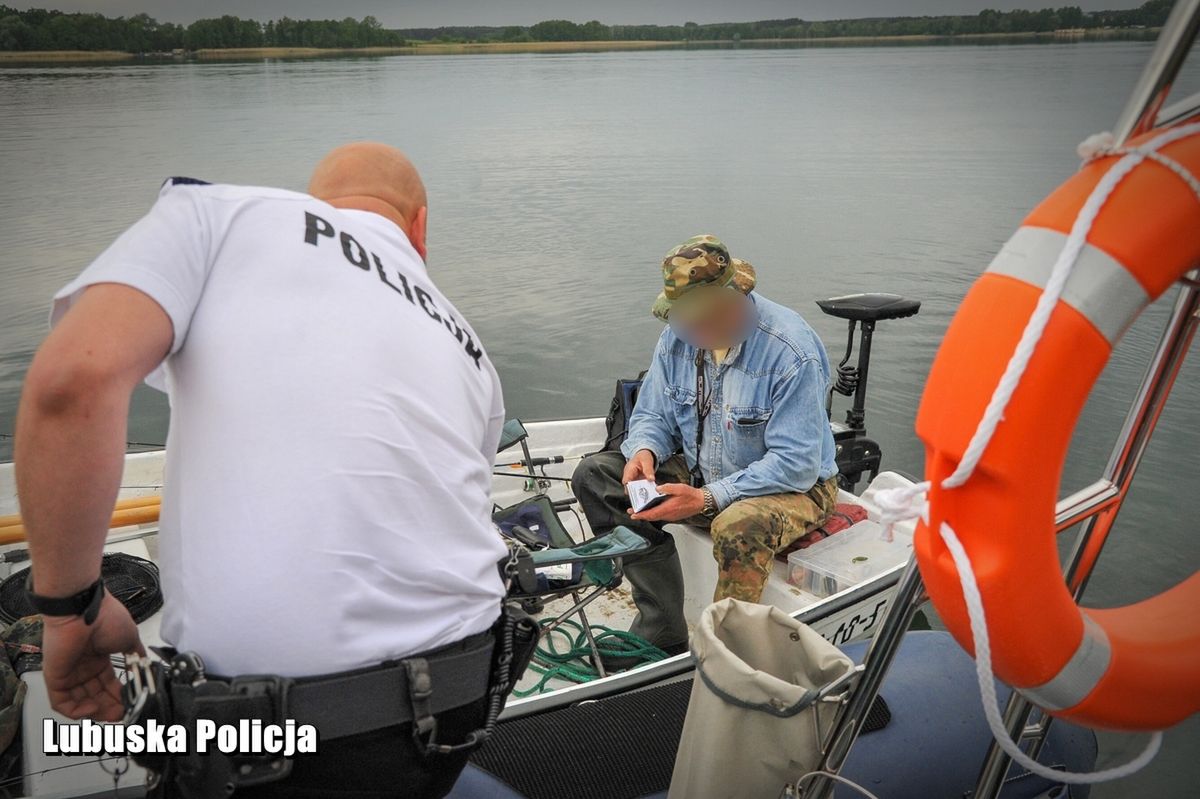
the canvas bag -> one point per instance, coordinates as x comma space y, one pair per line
750, 726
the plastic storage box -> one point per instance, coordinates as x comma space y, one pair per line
847, 558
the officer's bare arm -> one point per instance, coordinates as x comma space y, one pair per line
70, 442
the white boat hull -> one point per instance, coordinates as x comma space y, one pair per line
849, 615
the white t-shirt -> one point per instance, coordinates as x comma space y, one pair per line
334, 422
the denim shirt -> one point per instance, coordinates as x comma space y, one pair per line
767, 431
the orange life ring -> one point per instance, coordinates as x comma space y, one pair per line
1129, 668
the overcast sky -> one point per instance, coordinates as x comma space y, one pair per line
435, 13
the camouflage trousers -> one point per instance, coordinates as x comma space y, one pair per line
746, 536
748, 533
22, 643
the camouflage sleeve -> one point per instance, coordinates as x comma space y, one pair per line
793, 439
653, 425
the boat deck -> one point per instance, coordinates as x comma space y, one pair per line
849, 615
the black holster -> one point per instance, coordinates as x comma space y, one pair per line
183, 695
523, 631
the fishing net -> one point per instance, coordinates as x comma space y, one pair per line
132, 580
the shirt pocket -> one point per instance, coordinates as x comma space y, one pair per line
684, 396
682, 402
747, 433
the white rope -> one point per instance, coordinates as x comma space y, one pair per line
1049, 299
987, 685
901, 504
840, 779
1101, 145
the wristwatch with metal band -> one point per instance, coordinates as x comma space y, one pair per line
710, 503
86, 603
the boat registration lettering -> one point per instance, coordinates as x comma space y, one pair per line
857, 625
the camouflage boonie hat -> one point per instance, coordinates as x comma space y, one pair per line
700, 261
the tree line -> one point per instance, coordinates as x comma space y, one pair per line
1150, 14
40, 29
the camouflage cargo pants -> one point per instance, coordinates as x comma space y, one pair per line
746, 536
748, 533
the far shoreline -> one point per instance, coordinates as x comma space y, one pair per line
13, 57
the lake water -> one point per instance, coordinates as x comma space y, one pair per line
557, 182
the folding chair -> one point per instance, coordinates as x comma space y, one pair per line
555, 565
514, 432
592, 568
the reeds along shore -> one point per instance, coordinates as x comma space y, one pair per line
438, 48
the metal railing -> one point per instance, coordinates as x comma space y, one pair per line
1097, 505
1142, 110
1098, 521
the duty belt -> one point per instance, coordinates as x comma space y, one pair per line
176, 690
370, 699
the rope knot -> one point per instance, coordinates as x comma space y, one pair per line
1096, 145
900, 505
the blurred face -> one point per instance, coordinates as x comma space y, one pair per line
712, 317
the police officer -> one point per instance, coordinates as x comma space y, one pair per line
326, 502
731, 422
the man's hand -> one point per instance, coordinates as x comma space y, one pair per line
684, 502
639, 467
70, 451
75, 661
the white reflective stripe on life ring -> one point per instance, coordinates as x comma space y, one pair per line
1100, 287
1079, 676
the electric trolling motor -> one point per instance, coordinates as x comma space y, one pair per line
857, 454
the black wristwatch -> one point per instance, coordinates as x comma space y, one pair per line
86, 603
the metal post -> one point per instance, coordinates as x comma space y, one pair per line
1127, 454
910, 593
1141, 111
1098, 503
1139, 425
587, 629
856, 416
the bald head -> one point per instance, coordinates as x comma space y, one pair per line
373, 177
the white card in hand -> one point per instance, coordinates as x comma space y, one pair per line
644, 495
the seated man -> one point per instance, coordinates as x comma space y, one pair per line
737, 385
